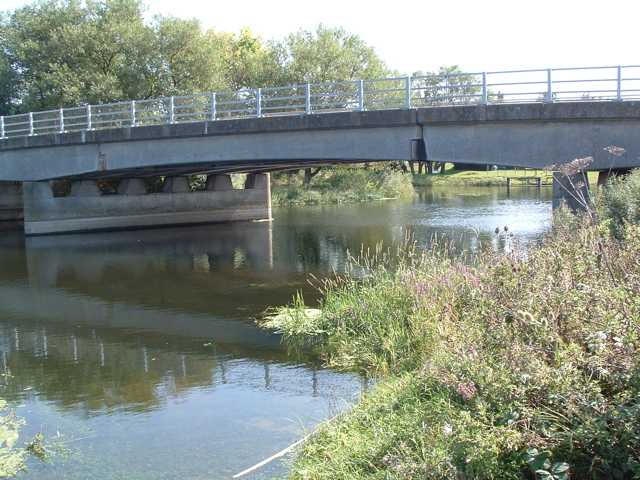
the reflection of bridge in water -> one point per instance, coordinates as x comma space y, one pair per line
73, 330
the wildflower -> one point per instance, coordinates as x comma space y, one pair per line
612, 149
468, 390
447, 430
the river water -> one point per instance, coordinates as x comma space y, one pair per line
137, 352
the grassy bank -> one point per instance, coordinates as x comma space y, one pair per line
491, 178
340, 184
489, 366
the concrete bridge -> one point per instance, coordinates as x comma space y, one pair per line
533, 135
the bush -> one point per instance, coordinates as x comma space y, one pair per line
340, 185
622, 202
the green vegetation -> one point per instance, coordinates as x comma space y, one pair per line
490, 178
66, 53
339, 184
488, 365
12, 456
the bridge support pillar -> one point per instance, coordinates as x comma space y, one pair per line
45, 214
219, 182
132, 186
176, 185
604, 176
10, 201
572, 189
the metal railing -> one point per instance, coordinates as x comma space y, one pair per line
617, 83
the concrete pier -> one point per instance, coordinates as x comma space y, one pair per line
87, 210
572, 189
10, 201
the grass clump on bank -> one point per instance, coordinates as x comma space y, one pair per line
340, 184
494, 365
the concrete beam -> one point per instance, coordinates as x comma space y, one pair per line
533, 135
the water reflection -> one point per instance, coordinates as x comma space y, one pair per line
103, 332
141, 347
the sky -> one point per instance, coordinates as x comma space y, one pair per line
488, 35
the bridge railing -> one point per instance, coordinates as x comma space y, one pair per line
617, 83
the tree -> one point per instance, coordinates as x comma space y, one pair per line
64, 53
328, 55
246, 61
448, 86
9, 85
324, 56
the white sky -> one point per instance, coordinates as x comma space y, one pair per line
487, 35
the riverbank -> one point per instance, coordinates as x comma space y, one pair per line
490, 178
340, 184
491, 365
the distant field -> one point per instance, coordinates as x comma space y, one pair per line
488, 178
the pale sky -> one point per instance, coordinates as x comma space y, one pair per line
488, 35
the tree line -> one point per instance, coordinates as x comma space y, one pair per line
63, 53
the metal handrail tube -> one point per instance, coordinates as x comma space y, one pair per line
388, 90
516, 83
283, 108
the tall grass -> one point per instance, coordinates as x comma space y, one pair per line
492, 365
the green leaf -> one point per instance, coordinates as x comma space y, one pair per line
560, 467
540, 462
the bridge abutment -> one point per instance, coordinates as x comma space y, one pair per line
86, 209
10, 201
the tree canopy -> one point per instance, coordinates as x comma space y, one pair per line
63, 53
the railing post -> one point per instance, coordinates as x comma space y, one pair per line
172, 112
2, 127
360, 95
485, 91
213, 106
61, 120
258, 103
133, 113
307, 99
549, 87
619, 96
30, 123
89, 117
407, 92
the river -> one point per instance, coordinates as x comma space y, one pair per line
137, 352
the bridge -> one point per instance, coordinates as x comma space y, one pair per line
532, 119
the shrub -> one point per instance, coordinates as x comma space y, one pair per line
621, 201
